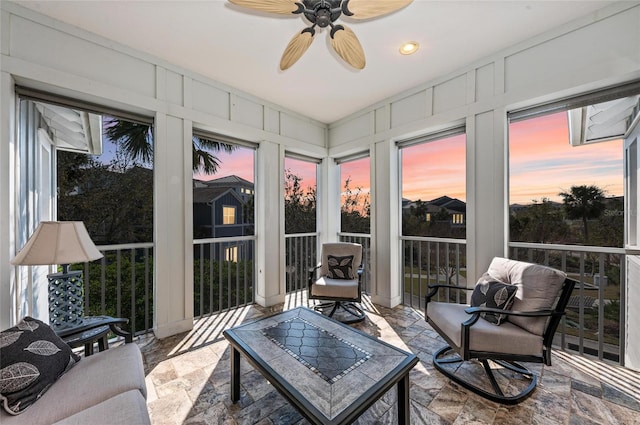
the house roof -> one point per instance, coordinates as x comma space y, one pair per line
202, 195
452, 204
232, 180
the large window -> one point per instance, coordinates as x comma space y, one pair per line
567, 205
110, 187
433, 186
223, 222
300, 194
223, 188
433, 173
562, 192
81, 162
355, 195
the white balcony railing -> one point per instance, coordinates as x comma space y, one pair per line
223, 274
595, 320
301, 254
429, 260
120, 284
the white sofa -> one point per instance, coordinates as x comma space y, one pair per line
105, 388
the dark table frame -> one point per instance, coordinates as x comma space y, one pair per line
92, 329
398, 376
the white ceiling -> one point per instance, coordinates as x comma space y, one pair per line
242, 49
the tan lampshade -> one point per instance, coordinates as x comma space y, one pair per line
58, 242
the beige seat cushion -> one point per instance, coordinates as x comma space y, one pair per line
129, 408
538, 289
335, 288
483, 336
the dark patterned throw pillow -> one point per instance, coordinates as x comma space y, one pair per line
340, 267
493, 294
32, 358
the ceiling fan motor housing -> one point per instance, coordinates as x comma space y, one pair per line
322, 12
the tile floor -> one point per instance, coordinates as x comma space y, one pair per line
188, 381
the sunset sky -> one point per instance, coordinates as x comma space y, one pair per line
434, 169
542, 164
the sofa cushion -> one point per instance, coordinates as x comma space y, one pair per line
128, 408
340, 267
32, 358
538, 289
93, 380
493, 294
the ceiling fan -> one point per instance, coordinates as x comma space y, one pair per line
323, 13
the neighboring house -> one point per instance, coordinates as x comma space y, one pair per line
455, 209
223, 208
242, 187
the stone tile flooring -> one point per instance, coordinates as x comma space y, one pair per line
188, 381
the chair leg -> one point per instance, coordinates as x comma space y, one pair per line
353, 314
497, 395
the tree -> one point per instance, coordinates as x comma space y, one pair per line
299, 205
115, 201
136, 140
540, 222
355, 211
584, 203
609, 229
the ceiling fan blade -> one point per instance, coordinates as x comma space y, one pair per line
284, 7
347, 45
296, 48
365, 9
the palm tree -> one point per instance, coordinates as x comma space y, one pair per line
584, 202
136, 141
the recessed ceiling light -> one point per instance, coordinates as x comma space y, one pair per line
409, 48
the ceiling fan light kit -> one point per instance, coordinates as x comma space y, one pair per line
322, 14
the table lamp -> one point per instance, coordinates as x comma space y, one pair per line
64, 243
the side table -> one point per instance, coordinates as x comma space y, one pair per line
94, 329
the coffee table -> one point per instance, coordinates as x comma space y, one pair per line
330, 372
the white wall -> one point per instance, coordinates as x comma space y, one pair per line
595, 52
42, 53
632, 244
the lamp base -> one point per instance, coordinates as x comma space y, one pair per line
66, 306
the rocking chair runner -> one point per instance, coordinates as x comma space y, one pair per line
472, 334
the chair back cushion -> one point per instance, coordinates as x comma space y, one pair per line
538, 289
341, 260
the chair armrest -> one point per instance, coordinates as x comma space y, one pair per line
93, 322
539, 313
475, 314
312, 272
313, 269
435, 288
